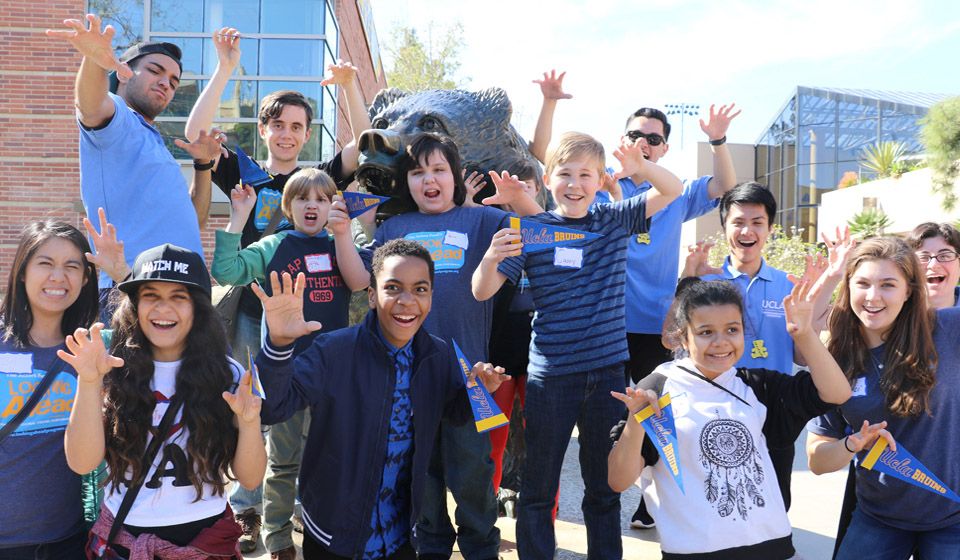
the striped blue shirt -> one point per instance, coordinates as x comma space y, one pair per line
579, 322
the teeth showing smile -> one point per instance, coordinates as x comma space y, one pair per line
405, 318
431, 193
721, 356
872, 309
746, 243
55, 292
936, 279
163, 324
310, 216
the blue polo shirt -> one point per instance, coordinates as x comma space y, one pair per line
126, 169
766, 343
653, 258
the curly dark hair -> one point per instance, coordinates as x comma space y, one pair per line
17, 316
910, 364
398, 248
204, 375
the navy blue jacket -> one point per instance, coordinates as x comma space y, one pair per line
347, 379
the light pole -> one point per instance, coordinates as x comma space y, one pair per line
682, 109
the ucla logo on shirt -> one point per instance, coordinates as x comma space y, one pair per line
446, 250
772, 307
268, 202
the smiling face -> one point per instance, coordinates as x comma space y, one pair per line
309, 211
431, 184
402, 297
878, 291
153, 85
746, 229
165, 314
285, 135
941, 277
574, 184
53, 278
714, 338
648, 125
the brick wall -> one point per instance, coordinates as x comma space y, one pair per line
39, 165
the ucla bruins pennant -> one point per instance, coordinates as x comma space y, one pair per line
538, 236
358, 203
901, 464
663, 434
251, 173
486, 413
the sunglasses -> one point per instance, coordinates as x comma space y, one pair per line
942, 256
653, 138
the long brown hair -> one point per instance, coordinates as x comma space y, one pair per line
17, 316
910, 363
203, 376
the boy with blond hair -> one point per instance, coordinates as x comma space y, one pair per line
578, 350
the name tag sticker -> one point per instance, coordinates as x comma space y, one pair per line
568, 257
319, 263
860, 387
457, 239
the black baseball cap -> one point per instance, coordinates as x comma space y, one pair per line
168, 263
143, 49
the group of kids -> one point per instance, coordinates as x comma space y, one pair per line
382, 404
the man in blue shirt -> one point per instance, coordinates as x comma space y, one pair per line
125, 166
653, 257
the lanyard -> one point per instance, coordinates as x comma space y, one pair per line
715, 384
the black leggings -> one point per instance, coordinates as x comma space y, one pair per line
312, 550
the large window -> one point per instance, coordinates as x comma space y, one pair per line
287, 44
819, 135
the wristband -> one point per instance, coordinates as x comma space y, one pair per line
718, 141
845, 445
198, 166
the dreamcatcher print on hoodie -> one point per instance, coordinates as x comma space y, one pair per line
734, 467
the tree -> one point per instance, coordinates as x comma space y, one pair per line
941, 138
869, 223
885, 159
417, 66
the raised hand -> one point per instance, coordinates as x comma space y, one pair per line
612, 186
508, 186
226, 41
637, 400
631, 160
838, 250
244, 404
551, 86
505, 243
719, 121
109, 255
858, 441
284, 309
341, 74
798, 307
92, 43
206, 147
88, 356
698, 260
338, 217
813, 270
243, 198
474, 184
491, 376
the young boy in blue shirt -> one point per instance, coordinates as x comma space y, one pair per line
376, 392
578, 350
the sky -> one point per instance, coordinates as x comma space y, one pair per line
620, 55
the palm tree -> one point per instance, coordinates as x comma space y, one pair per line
884, 158
869, 223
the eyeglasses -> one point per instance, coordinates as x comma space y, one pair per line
942, 256
653, 138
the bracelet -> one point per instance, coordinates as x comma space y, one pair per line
718, 141
845, 438
197, 166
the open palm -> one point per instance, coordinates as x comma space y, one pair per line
283, 310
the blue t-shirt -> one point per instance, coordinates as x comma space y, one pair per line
766, 342
932, 438
41, 492
456, 240
126, 169
653, 258
578, 290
